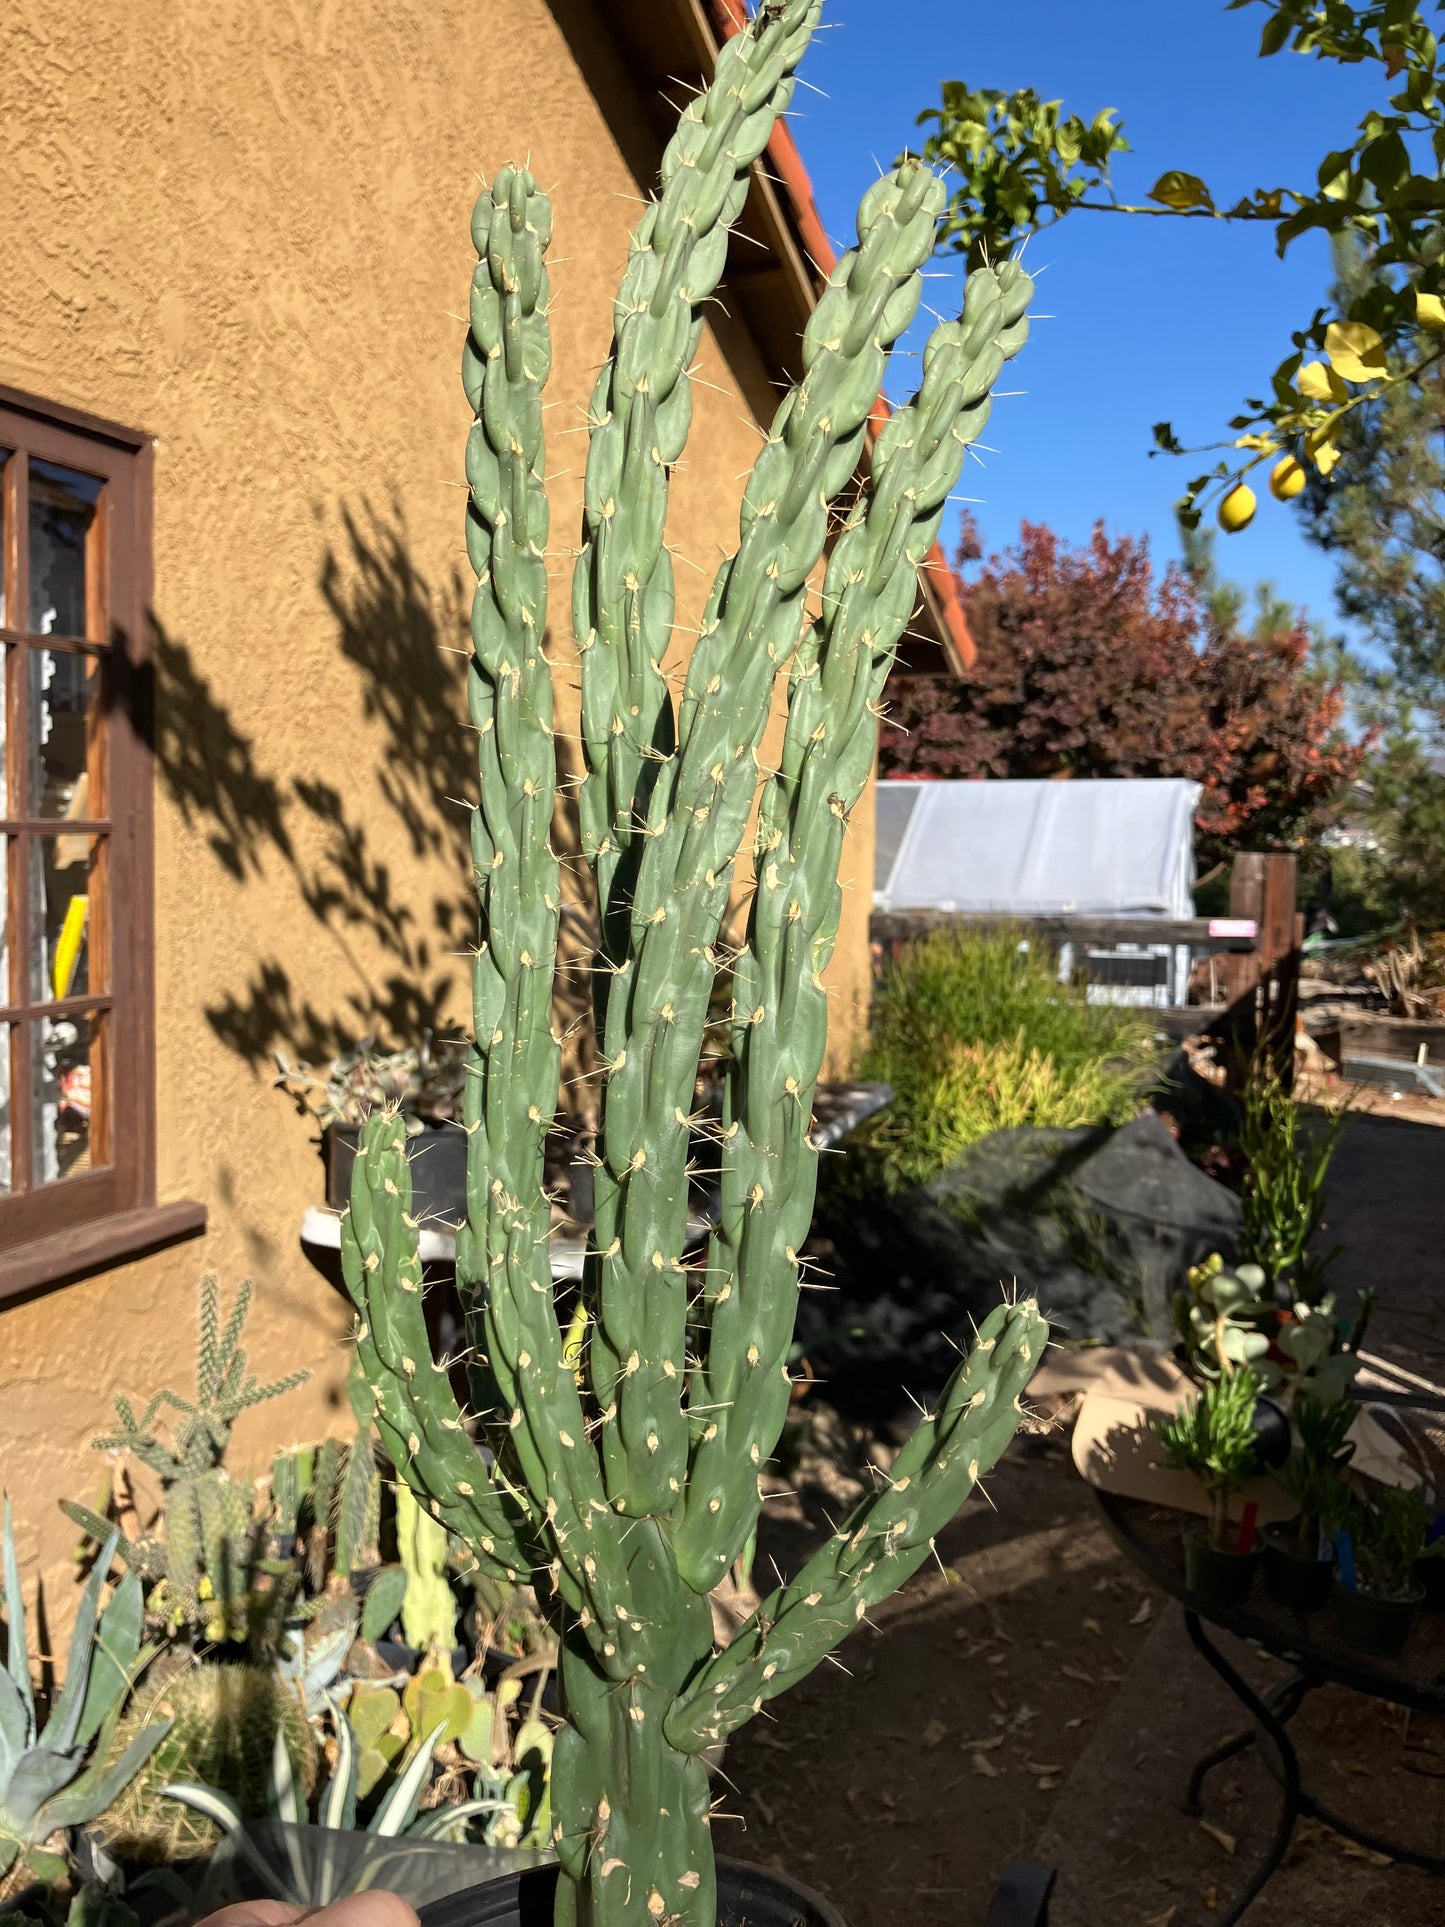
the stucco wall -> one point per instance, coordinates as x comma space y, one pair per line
244, 228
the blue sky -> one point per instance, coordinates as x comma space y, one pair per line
1152, 320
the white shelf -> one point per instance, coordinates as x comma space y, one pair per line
321, 1227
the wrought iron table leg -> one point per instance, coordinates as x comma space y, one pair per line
1282, 1700
1269, 1728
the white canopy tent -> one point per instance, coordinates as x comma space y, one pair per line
1102, 847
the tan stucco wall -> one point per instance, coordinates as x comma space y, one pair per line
244, 228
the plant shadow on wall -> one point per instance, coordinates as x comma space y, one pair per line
394, 961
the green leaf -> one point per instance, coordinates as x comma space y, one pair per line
1275, 36
65, 1720
382, 1603
114, 1658
338, 1802
1181, 191
398, 1809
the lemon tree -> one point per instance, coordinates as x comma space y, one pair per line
1022, 165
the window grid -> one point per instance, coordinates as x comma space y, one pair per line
103, 1165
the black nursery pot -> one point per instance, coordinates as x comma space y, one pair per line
1298, 1580
1373, 1624
746, 1897
437, 1154
1430, 1574
1216, 1577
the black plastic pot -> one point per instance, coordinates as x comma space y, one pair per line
1298, 1580
746, 1897
1217, 1577
437, 1154
1430, 1573
1373, 1624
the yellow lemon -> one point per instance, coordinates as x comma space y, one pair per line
1286, 479
1236, 511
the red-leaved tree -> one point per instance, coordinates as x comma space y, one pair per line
1090, 665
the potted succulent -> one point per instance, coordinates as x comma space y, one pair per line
58, 1768
1213, 1437
1387, 1536
1299, 1554
620, 1470
423, 1083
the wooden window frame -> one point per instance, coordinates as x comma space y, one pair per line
102, 1216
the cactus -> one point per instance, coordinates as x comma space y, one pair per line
429, 1606
223, 1724
624, 1484
209, 1556
514, 1769
380, 1729
433, 1699
63, 1772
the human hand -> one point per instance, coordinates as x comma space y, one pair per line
356, 1910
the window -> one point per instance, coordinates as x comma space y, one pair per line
77, 1073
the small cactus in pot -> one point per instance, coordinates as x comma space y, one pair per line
620, 1473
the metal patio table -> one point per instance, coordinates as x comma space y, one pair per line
1149, 1537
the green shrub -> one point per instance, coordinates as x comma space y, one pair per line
976, 1034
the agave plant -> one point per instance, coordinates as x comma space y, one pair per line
51, 1775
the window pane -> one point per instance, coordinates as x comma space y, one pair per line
62, 515
64, 716
5, 1179
62, 908
4, 458
64, 1060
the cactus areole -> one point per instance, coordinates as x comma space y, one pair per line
623, 1482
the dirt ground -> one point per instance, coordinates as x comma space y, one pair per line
1036, 1698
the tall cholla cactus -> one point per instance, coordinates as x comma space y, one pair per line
625, 1486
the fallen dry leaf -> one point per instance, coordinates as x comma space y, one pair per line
1071, 1724
983, 1746
1047, 1785
1226, 1840
1078, 1673
1093, 1626
934, 1733
1160, 1920
984, 1765
1047, 1771
1210, 1897
1145, 1613
1354, 1851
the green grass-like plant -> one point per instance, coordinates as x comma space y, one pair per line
1287, 1156
1213, 1437
1390, 1529
976, 1034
